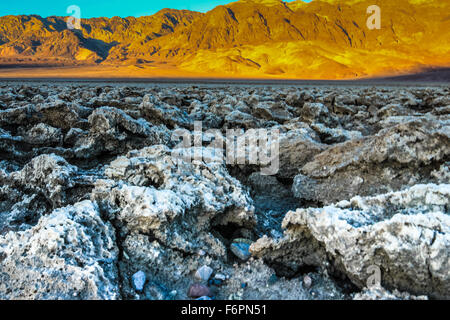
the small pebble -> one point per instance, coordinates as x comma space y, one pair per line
220, 276
197, 290
307, 281
139, 280
173, 294
241, 250
215, 282
203, 273
204, 298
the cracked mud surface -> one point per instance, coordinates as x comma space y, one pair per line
90, 193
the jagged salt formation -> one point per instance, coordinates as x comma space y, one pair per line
152, 192
70, 254
397, 156
406, 234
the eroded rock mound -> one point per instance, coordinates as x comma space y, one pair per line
70, 254
406, 234
395, 157
154, 193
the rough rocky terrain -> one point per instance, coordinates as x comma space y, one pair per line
94, 204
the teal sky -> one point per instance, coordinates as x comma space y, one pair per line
103, 8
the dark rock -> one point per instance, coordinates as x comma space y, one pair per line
197, 290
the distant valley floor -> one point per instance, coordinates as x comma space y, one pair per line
171, 73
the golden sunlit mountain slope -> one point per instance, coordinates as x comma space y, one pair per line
327, 39
32, 38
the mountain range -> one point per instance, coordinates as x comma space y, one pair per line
322, 39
